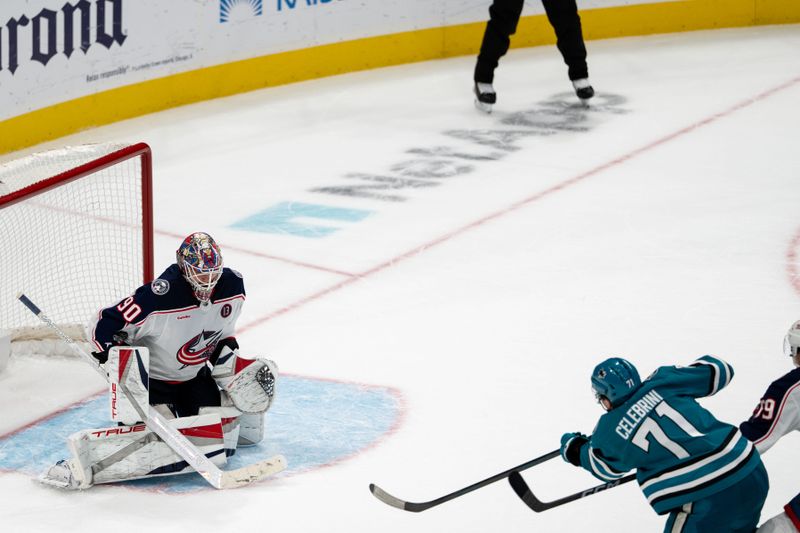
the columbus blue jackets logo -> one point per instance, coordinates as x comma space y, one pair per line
226, 310
199, 348
160, 286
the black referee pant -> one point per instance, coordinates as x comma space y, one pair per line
503, 18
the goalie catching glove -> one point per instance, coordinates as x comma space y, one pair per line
250, 383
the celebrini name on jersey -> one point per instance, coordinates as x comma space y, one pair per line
638, 411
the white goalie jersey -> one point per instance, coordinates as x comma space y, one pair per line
165, 316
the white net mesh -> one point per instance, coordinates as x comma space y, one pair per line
71, 249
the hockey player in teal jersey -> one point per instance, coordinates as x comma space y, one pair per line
701, 472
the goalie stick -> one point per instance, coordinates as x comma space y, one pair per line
524, 492
416, 507
219, 479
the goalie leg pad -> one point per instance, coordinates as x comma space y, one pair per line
229, 417
128, 374
132, 452
251, 429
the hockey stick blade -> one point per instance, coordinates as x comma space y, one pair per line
416, 507
525, 494
240, 477
388, 499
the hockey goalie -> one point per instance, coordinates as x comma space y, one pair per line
171, 346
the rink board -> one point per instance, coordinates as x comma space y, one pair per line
193, 54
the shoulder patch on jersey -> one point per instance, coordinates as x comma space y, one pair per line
160, 286
237, 273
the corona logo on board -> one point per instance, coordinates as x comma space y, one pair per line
82, 24
236, 10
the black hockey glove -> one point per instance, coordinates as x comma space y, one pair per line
102, 357
120, 338
571, 444
230, 342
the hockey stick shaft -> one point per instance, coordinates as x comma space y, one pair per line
416, 507
218, 478
524, 492
33, 308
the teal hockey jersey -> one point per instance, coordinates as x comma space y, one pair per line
681, 453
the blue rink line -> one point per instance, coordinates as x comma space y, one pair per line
312, 423
289, 218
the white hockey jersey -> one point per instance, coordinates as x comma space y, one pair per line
166, 317
777, 413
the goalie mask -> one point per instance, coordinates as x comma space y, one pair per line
200, 261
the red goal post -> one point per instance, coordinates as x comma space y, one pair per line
76, 234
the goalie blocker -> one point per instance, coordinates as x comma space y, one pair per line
132, 451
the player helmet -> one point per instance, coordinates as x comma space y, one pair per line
791, 343
615, 379
200, 262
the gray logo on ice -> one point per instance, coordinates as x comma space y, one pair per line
434, 166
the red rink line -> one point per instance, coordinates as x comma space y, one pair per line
793, 261
529, 200
48, 416
178, 237
267, 256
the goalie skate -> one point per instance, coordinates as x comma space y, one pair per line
61, 476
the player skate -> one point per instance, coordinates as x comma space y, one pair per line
485, 97
583, 90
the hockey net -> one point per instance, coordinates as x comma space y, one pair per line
75, 236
